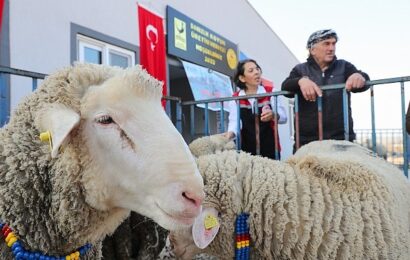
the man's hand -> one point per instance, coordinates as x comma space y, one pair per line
355, 81
309, 89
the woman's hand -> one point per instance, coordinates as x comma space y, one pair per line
267, 114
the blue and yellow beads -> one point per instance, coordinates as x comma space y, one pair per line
242, 237
21, 254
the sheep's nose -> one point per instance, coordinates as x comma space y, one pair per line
194, 198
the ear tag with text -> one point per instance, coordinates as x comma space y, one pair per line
210, 222
205, 227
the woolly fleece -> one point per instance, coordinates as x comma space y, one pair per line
332, 200
42, 199
211, 145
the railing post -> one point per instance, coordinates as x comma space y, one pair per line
192, 117
297, 136
255, 113
4, 100
238, 126
404, 132
320, 118
346, 113
222, 117
373, 119
178, 115
206, 119
34, 84
276, 129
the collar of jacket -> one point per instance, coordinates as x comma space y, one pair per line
311, 61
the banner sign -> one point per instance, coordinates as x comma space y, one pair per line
152, 46
191, 41
206, 84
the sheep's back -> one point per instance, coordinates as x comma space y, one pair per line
315, 206
364, 212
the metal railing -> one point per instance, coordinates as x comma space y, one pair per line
396, 149
171, 102
389, 144
222, 122
174, 104
373, 139
5, 88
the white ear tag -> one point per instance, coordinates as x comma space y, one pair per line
205, 227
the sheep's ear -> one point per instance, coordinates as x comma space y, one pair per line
58, 120
205, 227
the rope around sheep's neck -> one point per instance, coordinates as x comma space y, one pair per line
22, 254
242, 237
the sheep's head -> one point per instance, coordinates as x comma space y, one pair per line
132, 156
235, 183
213, 230
211, 145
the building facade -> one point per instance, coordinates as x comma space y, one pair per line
43, 36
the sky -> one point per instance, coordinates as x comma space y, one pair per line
373, 35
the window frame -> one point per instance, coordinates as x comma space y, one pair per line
96, 37
105, 48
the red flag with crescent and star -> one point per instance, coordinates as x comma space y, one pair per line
1, 12
152, 46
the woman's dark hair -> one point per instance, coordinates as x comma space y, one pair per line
240, 71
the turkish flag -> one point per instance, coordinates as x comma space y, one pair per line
152, 46
1, 12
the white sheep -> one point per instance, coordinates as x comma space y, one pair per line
112, 150
332, 200
210, 145
139, 238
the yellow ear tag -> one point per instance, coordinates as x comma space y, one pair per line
46, 136
210, 222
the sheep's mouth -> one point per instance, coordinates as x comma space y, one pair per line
181, 218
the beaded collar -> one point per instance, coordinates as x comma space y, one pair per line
22, 254
242, 237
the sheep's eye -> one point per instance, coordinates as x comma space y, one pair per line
105, 120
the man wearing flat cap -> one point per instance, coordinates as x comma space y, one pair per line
323, 68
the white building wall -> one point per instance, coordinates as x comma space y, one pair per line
40, 30
40, 38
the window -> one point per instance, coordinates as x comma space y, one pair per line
90, 53
94, 51
118, 60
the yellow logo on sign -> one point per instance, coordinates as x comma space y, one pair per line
231, 58
180, 34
